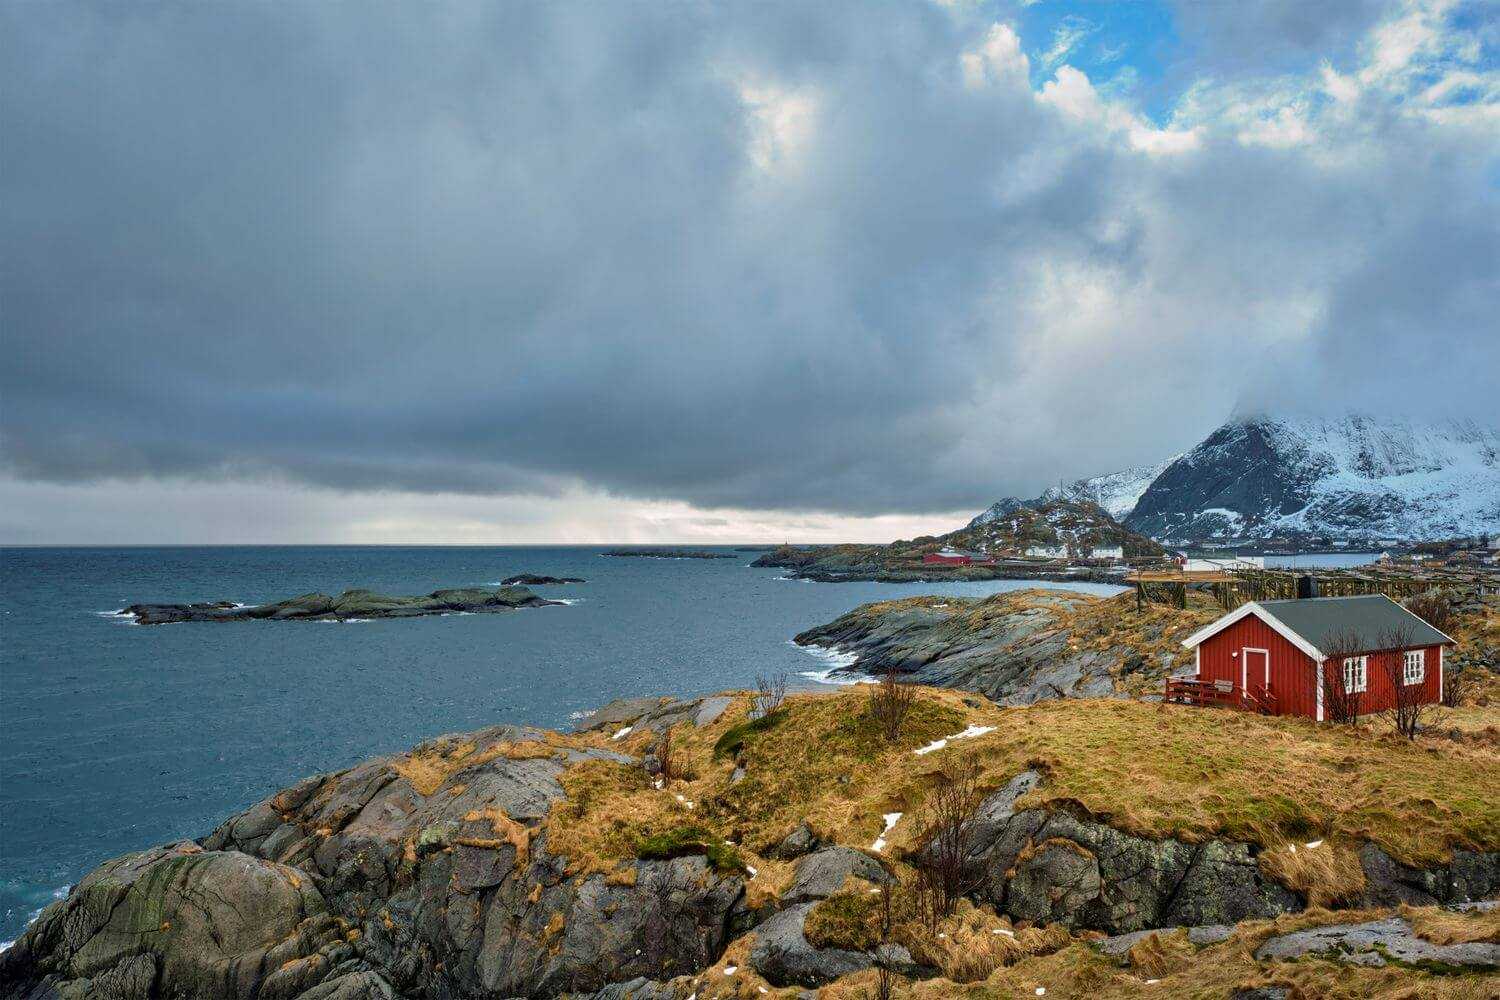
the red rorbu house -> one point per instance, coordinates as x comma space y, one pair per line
957, 557
1280, 657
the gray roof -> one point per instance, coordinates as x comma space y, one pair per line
1371, 618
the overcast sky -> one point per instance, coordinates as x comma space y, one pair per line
666, 271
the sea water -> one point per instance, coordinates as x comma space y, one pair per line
115, 737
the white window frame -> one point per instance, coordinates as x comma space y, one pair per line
1411, 674
1362, 664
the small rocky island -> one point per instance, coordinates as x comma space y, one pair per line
666, 554
532, 580
348, 606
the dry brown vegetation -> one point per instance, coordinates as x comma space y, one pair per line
1149, 769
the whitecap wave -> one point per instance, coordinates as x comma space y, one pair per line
576, 716
31, 917
569, 601
837, 660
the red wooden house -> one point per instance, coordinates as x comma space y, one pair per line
1281, 656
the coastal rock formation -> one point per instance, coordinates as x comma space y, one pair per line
1015, 648
426, 874
532, 580
519, 863
351, 604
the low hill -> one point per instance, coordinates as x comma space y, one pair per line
1074, 527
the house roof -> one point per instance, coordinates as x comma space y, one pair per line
1314, 624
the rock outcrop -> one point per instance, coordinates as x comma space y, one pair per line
426, 874
1061, 866
351, 604
1015, 648
1056, 867
1378, 942
532, 580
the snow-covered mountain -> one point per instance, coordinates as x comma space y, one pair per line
1353, 477
1117, 493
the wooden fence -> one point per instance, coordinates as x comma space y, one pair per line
1235, 587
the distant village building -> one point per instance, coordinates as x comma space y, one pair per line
1106, 552
1047, 551
1276, 654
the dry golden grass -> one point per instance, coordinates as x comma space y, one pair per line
1153, 770
1446, 927
428, 768
1329, 875
1166, 965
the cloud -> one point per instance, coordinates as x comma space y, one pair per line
763, 258
1070, 31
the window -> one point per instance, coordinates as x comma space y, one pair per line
1413, 666
1355, 673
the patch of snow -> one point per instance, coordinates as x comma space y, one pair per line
967, 734
622, 733
890, 821
1313, 845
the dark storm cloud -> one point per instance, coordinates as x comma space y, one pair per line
777, 256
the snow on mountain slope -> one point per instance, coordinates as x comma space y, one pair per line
1117, 493
1353, 477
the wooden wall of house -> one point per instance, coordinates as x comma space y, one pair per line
1380, 694
1293, 677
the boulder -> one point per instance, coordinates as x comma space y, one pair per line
178, 921
1376, 942
793, 845
822, 873
784, 957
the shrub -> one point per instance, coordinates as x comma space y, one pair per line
1434, 608
733, 740
890, 703
770, 692
689, 840
845, 920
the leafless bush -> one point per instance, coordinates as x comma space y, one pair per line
885, 978
1342, 699
666, 757
1456, 685
770, 691
1434, 608
1409, 711
944, 870
891, 702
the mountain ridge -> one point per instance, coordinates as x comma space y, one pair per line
1349, 478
